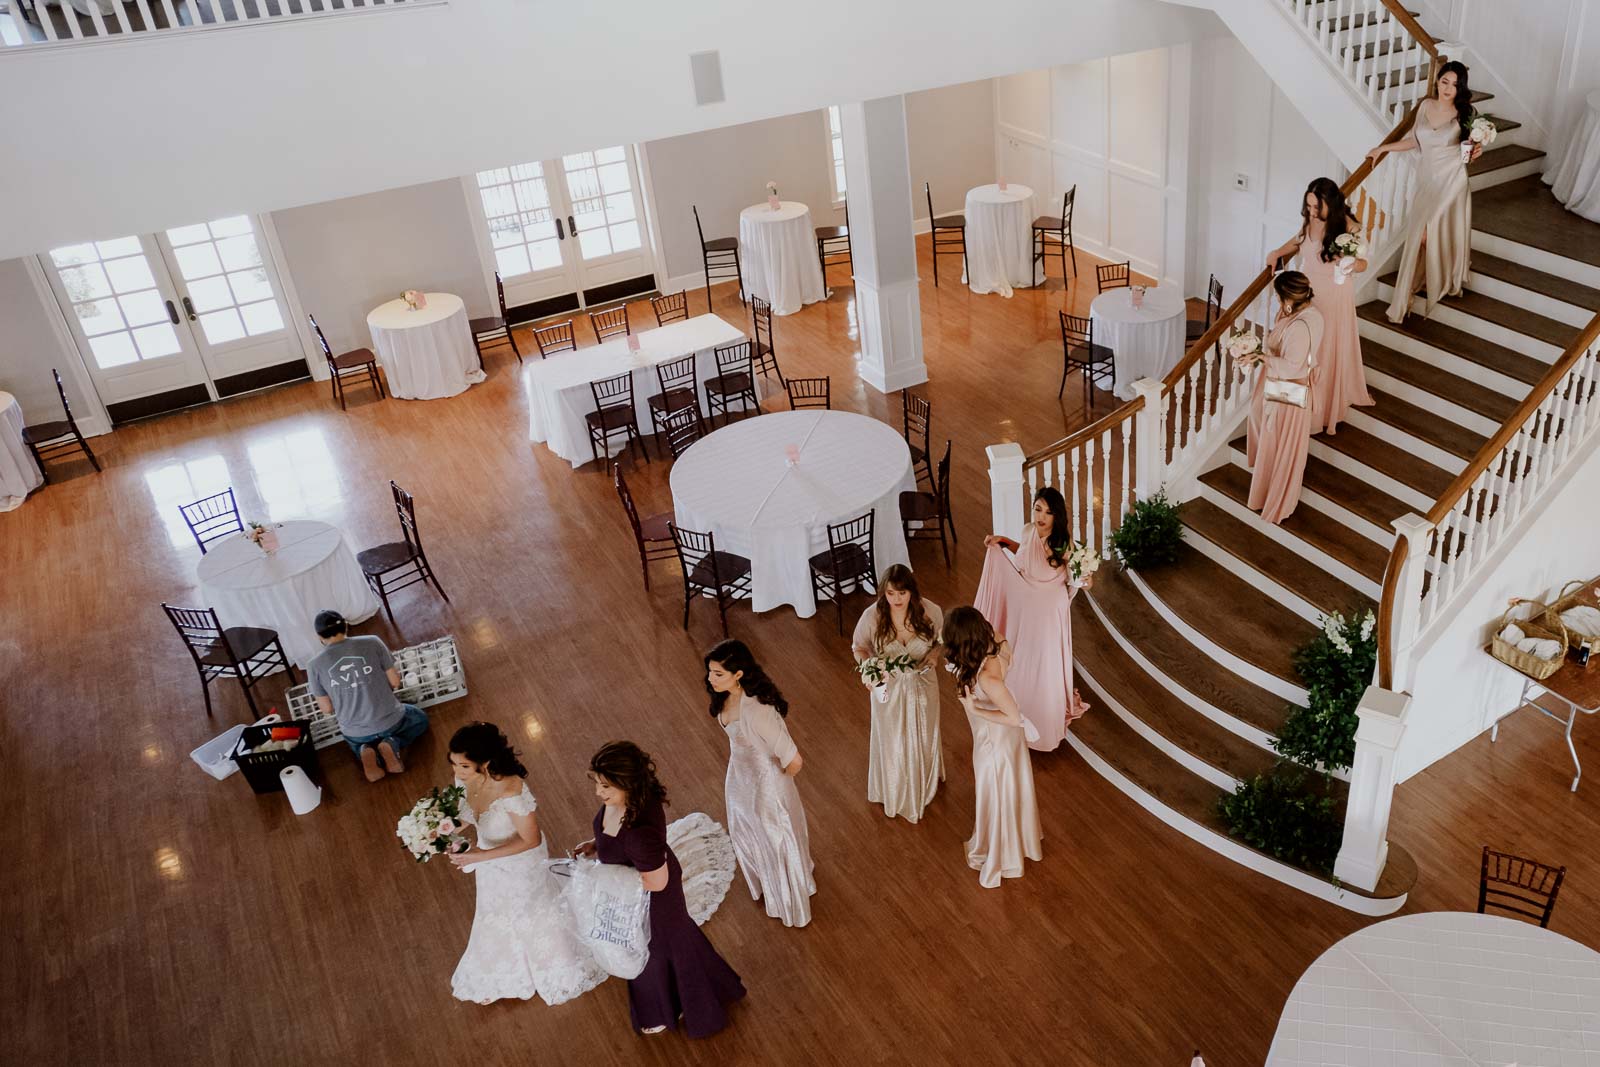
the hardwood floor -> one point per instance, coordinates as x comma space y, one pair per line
153, 915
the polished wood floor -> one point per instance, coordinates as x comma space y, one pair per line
150, 915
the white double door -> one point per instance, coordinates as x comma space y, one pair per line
570, 225
175, 312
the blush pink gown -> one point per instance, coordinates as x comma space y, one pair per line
1005, 828
1285, 437
1029, 602
1338, 381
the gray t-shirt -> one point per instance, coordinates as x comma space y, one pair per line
351, 673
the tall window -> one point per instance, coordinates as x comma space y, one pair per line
836, 150
522, 229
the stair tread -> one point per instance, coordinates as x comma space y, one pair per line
1288, 568
1138, 621
1381, 456
1564, 289
1490, 403
1147, 700
1323, 532
1504, 156
1485, 353
1256, 629
1501, 313
1424, 425
1526, 211
1352, 493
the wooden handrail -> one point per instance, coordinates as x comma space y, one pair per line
1413, 27
1094, 429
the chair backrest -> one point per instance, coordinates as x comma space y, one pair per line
682, 427
695, 548
941, 486
1076, 331
761, 320
1112, 275
677, 373
61, 391
734, 358
809, 393
1068, 200
557, 338
697, 227
927, 191
1213, 301
610, 322
322, 340
500, 294
406, 508
613, 392
202, 634
857, 532
626, 496
916, 416
212, 518
670, 308
1519, 885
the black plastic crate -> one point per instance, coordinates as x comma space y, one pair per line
261, 769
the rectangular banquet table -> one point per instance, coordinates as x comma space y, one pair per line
558, 388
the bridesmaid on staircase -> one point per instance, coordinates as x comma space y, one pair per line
1285, 438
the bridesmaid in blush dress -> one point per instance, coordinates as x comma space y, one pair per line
1006, 825
1029, 601
1338, 380
684, 978
765, 817
1285, 436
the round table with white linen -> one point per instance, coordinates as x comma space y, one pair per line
1575, 177
313, 570
1445, 988
778, 254
1146, 340
19, 474
427, 354
738, 485
999, 238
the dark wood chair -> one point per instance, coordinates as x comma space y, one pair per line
930, 511
398, 564
948, 235
557, 338
612, 322
494, 329
1196, 328
1053, 236
1113, 276
735, 380
248, 653
1519, 885
61, 437
849, 560
212, 518
1080, 353
356, 363
613, 414
833, 244
809, 393
766, 359
680, 391
916, 419
681, 427
708, 572
671, 308
718, 255
652, 534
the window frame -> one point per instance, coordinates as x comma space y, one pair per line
835, 128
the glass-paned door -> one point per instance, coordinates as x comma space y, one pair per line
606, 213
523, 216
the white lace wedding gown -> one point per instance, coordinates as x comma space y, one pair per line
522, 941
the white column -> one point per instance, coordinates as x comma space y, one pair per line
1149, 463
1365, 848
883, 250
1007, 500
1414, 531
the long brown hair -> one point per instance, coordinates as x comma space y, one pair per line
735, 656
1337, 224
968, 641
899, 577
629, 768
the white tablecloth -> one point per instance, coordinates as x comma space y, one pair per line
1445, 989
1147, 341
999, 238
1575, 176
426, 354
19, 474
738, 485
313, 570
778, 253
558, 388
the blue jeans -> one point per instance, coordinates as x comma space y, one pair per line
412, 725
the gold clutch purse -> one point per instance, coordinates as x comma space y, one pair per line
1281, 392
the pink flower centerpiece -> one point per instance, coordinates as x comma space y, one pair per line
414, 299
265, 537
772, 195
1137, 296
792, 452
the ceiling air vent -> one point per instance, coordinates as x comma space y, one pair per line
707, 70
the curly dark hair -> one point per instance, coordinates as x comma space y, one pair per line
735, 656
968, 641
899, 577
484, 744
1060, 540
1330, 196
629, 768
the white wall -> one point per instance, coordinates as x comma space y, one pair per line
950, 134
30, 346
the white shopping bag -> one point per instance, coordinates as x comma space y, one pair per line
612, 910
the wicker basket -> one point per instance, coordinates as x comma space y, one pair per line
1573, 594
1526, 662
440, 677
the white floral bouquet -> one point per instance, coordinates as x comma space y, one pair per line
879, 671
1350, 247
1335, 627
1480, 133
263, 535
433, 825
1243, 344
1083, 560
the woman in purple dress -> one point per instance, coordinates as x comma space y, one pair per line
684, 978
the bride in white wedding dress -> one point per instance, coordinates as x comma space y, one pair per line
522, 943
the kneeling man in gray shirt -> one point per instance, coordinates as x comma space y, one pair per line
354, 680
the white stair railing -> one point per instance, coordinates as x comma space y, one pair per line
31, 24
1376, 44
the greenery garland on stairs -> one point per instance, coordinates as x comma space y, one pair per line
1150, 534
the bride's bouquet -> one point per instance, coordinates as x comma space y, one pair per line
1350, 247
1480, 132
1244, 345
1083, 560
433, 825
878, 671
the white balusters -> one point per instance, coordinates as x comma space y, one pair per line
1105, 488
67, 23
1077, 512
1126, 495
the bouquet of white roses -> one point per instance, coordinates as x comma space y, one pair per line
879, 671
1480, 131
433, 825
1083, 560
1244, 345
1350, 247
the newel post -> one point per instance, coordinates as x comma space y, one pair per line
1147, 440
1406, 622
1365, 847
1007, 499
